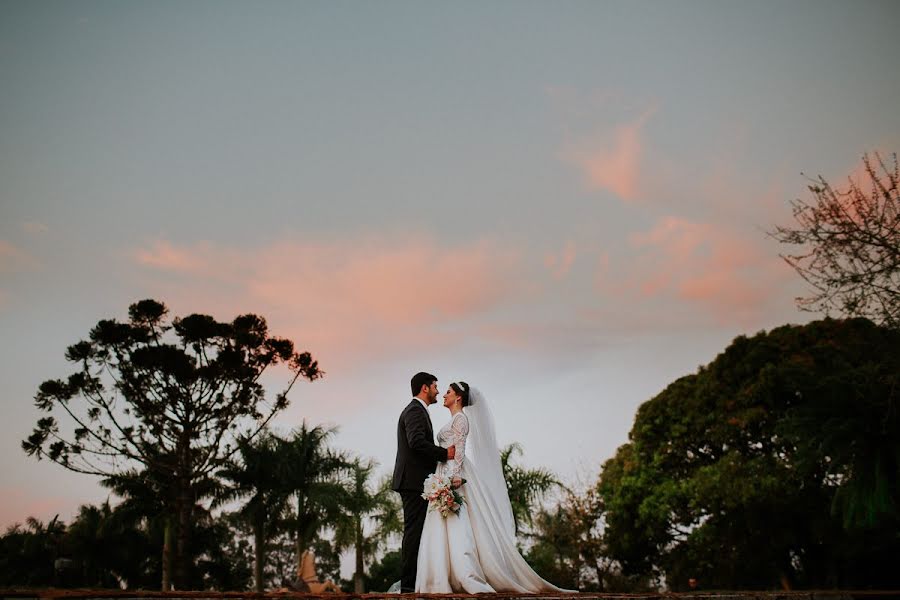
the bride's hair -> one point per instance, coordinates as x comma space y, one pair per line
462, 389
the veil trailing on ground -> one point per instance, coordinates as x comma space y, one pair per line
483, 454
489, 509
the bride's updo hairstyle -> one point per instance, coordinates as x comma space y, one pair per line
462, 390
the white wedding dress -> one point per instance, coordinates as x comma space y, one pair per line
474, 550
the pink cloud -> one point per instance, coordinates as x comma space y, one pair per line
859, 179
610, 160
14, 259
559, 264
717, 269
340, 300
19, 504
34, 227
165, 256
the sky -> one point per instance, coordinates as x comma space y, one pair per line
564, 203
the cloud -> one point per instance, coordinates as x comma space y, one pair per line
19, 503
341, 300
715, 270
14, 259
34, 227
610, 158
559, 264
165, 256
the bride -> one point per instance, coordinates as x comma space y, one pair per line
474, 550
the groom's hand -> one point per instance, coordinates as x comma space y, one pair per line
451, 452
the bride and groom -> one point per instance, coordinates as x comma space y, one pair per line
472, 550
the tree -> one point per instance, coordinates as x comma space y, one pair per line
778, 464
28, 554
385, 572
258, 478
555, 553
107, 548
378, 509
144, 501
313, 479
527, 487
166, 400
224, 562
850, 245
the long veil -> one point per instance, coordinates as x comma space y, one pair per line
490, 512
483, 454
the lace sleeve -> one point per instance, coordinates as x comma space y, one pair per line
460, 430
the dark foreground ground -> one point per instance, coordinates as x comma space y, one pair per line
60, 594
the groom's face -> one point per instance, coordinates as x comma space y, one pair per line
432, 392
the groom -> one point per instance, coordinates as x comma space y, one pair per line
417, 457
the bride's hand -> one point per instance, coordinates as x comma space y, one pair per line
456, 482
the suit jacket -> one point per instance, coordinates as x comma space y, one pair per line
417, 455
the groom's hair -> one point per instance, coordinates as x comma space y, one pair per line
420, 379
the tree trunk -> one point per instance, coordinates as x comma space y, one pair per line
167, 555
301, 528
602, 587
298, 546
183, 558
358, 584
258, 552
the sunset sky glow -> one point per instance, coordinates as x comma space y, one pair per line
563, 203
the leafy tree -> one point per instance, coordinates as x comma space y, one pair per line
164, 399
145, 506
225, 558
362, 506
385, 572
258, 478
849, 245
774, 465
107, 548
527, 487
28, 554
555, 554
312, 477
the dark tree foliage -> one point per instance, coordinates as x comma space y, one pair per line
106, 547
849, 245
312, 477
164, 402
776, 465
29, 554
257, 478
383, 573
526, 487
371, 516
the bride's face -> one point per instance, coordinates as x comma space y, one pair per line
450, 398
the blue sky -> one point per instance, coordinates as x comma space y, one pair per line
563, 203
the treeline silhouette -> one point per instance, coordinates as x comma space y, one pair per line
774, 466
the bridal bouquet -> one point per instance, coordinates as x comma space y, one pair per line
441, 496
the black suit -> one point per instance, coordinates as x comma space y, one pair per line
417, 458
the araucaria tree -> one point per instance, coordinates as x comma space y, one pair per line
165, 399
849, 245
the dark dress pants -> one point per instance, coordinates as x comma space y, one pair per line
414, 509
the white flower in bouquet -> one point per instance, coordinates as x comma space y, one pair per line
441, 496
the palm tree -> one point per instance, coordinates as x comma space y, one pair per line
527, 487
258, 478
361, 504
312, 474
145, 500
40, 547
